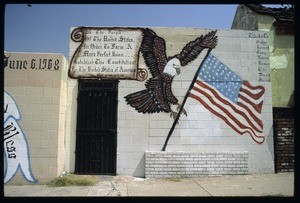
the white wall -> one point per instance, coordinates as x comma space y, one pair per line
200, 130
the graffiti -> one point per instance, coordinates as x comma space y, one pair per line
16, 150
158, 95
225, 94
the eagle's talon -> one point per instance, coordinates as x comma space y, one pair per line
173, 114
178, 107
183, 110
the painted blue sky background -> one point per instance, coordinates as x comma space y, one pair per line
45, 28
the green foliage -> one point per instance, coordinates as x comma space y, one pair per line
73, 180
174, 179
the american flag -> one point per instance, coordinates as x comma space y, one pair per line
228, 96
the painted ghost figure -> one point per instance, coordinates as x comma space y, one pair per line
16, 150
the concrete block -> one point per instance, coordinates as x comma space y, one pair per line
50, 108
188, 132
133, 131
158, 132
34, 90
14, 90
139, 123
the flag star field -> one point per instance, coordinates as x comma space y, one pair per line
218, 75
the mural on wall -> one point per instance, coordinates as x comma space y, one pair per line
113, 52
16, 150
225, 94
158, 95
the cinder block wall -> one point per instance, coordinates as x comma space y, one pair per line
200, 130
39, 90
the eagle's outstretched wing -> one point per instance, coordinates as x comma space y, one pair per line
192, 49
153, 49
150, 100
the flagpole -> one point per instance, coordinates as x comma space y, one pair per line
184, 100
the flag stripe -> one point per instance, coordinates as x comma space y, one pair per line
223, 102
205, 104
256, 101
249, 107
227, 95
250, 94
240, 111
247, 84
256, 119
256, 107
227, 121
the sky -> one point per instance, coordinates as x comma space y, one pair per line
45, 28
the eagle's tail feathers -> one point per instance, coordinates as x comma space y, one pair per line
142, 101
137, 96
147, 106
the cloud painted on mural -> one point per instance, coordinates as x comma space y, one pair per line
16, 150
225, 94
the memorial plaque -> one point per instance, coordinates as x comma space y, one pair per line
101, 52
262, 51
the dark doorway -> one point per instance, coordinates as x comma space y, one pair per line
96, 133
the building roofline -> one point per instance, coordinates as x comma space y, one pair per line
283, 14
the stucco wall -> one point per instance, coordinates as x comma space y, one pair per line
37, 84
282, 53
282, 63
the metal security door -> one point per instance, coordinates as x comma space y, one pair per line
96, 134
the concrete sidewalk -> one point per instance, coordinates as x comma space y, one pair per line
281, 184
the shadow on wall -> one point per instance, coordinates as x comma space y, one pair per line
291, 102
140, 169
270, 143
72, 135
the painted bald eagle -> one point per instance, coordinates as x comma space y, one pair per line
158, 94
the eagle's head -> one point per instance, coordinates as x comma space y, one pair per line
173, 67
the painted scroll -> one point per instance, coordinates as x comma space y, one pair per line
106, 53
